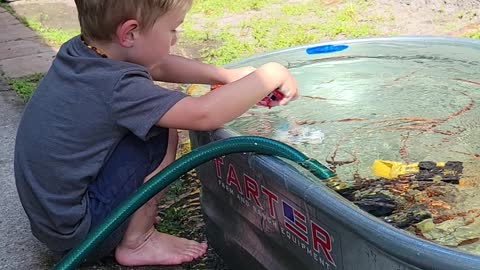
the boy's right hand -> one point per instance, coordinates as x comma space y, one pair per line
213, 110
286, 83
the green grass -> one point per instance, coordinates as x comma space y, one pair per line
290, 25
53, 36
475, 35
25, 86
307, 9
172, 222
173, 217
217, 8
7, 7
347, 23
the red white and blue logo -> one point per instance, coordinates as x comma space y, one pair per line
295, 222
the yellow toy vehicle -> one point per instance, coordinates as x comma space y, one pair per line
423, 171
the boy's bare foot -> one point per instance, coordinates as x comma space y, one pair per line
160, 249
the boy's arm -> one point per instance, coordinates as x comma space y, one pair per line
218, 107
178, 69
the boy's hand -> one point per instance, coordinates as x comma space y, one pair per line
231, 75
287, 85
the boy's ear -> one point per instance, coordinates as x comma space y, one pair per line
127, 33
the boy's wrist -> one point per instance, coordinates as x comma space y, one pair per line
274, 72
221, 76
226, 76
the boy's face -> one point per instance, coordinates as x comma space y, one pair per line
154, 44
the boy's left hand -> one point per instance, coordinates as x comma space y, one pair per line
231, 75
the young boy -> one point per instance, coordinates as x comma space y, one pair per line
98, 127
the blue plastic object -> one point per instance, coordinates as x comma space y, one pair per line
326, 49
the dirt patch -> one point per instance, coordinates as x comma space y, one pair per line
428, 17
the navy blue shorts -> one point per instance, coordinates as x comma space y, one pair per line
132, 160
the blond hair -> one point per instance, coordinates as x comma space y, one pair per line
99, 19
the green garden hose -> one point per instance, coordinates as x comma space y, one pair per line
174, 171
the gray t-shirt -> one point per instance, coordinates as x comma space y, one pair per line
83, 107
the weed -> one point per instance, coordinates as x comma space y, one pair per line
230, 49
172, 208
217, 8
172, 221
8, 8
189, 34
52, 35
347, 23
475, 35
296, 10
25, 86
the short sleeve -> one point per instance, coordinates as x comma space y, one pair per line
138, 104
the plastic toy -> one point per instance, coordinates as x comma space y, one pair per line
423, 171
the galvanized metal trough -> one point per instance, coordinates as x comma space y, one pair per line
262, 212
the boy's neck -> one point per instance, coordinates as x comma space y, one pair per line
105, 49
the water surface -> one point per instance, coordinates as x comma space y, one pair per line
404, 100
